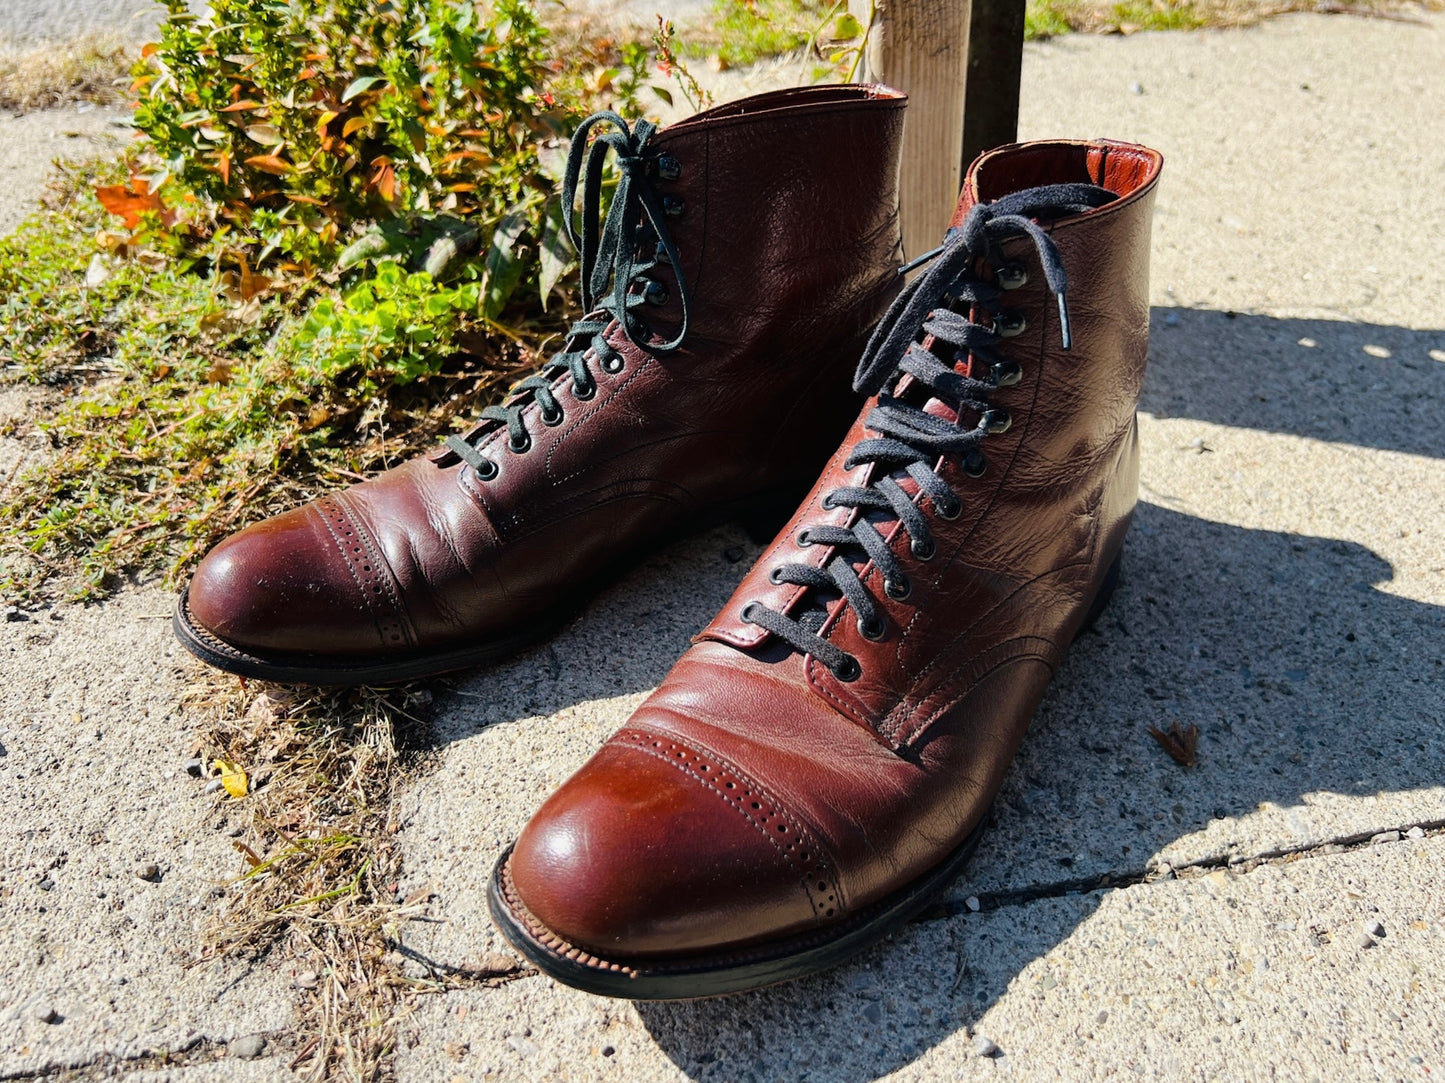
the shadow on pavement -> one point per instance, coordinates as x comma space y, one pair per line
1252, 372
1304, 678
1307, 679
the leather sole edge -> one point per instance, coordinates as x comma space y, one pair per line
735, 970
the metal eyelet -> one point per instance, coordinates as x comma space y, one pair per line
1009, 324
655, 293
923, 550
897, 589
659, 254
519, 447
673, 206
827, 502
1006, 373
803, 540
668, 168
995, 421
614, 364
487, 472
848, 669
872, 629
1011, 276
582, 394
947, 507
552, 418
776, 577
975, 463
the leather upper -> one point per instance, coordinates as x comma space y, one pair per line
866, 784
788, 236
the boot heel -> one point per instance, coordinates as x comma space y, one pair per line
1106, 591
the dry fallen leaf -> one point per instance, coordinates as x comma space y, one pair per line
1179, 743
232, 777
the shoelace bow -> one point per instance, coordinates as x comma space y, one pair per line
608, 256
909, 440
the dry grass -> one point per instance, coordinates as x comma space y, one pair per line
93, 68
1048, 18
319, 860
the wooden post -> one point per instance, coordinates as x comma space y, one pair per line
921, 47
958, 60
995, 57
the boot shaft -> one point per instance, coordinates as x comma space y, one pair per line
784, 210
1039, 518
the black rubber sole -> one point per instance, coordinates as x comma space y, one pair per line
761, 517
717, 974
694, 977
330, 671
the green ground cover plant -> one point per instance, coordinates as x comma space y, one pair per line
339, 231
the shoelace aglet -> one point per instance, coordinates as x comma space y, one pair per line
931, 254
1064, 333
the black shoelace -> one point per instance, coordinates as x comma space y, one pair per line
909, 441
610, 256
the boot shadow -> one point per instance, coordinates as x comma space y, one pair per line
1230, 369
623, 642
1350, 383
1307, 681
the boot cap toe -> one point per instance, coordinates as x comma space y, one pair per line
653, 848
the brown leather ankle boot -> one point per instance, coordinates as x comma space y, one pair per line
818, 764
744, 257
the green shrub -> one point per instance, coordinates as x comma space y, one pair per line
303, 120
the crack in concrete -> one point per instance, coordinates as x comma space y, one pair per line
1193, 870
199, 1050
451, 977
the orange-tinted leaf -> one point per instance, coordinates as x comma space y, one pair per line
385, 182
267, 163
306, 73
149, 50
311, 200
223, 167
129, 203
354, 125
243, 104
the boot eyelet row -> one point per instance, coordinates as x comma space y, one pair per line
584, 394
803, 539
614, 364
1011, 276
947, 508
995, 421
923, 550
1009, 325
776, 577
520, 447
873, 629
552, 418
898, 588
1006, 373
848, 670
488, 470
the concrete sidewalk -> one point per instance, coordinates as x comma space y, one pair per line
1283, 591
1267, 914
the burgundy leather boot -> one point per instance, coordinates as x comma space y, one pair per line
746, 254
818, 764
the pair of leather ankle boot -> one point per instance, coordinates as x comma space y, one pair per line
819, 763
